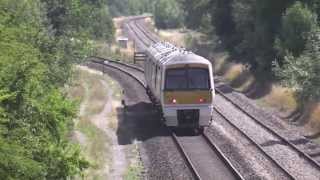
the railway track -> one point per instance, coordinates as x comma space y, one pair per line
147, 33
205, 161
130, 70
149, 39
279, 139
270, 158
269, 129
142, 34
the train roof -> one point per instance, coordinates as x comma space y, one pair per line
165, 53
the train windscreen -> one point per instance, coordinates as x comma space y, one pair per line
187, 79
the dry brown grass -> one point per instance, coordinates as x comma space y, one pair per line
233, 72
95, 149
76, 92
98, 96
87, 84
114, 50
236, 74
88, 87
113, 119
241, 79
314, 118
280, 98
220, 63
149, 24
174, 36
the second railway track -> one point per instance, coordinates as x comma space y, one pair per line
210, 156
206, 161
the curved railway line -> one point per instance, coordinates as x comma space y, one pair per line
213, 156
205, 161
306, 156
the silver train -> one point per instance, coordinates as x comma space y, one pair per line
181, 84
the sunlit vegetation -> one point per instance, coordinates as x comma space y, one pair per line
39, 42
277, 39
88, 84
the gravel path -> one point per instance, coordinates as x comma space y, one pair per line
119, 162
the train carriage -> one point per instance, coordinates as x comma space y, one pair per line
181, 83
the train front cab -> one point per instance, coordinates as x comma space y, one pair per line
187, 96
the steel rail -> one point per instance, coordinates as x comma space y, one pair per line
223, 157
120, 63
118, 68
308, 157
215, 149
186, 157
101, 61
117, 65
273, 132
146, 32
254, 142
136, 32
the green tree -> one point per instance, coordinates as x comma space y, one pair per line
297, 23
167, 14
302, 73
37, 49
193, 12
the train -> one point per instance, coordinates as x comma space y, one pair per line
181, 84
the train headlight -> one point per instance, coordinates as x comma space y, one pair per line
202, 100
174, 101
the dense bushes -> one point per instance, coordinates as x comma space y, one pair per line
261, 32
39, 41
167, 14
302, 72
297, 22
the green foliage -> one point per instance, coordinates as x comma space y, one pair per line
258, 32
194, 11
244, 17
302, 73
39, 42
84, 17
297, 22
167, 14
222, 17
130, 7
137, 7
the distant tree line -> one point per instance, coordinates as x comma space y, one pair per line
277, 38
167, 13
39, 42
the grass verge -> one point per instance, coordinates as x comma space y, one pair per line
88, 88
